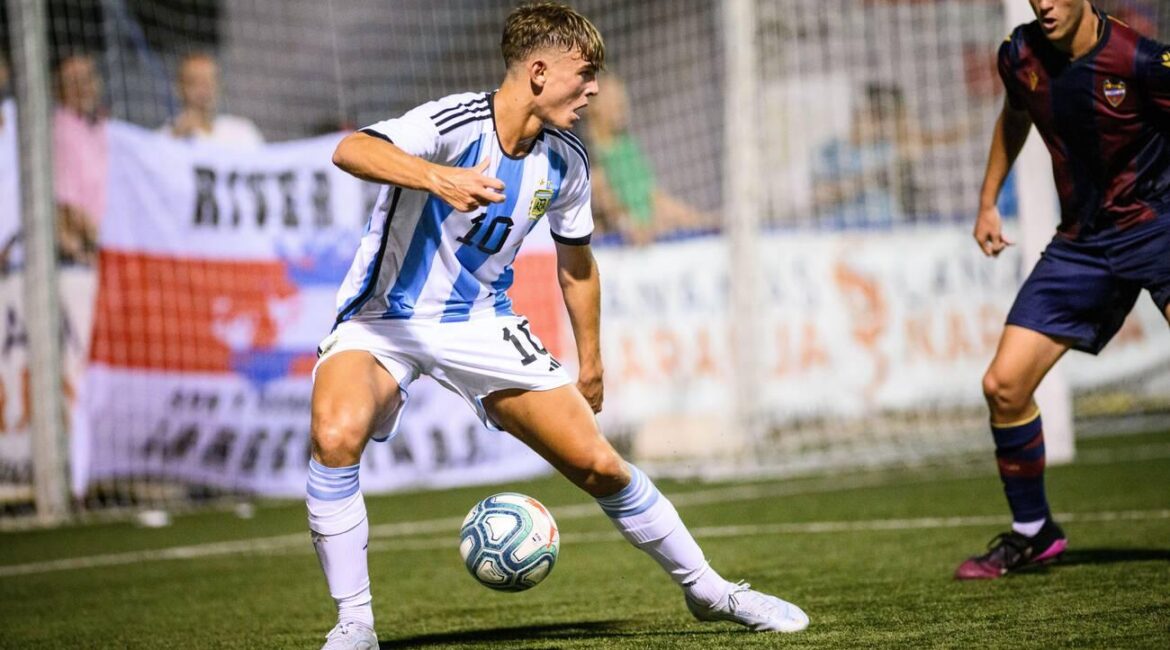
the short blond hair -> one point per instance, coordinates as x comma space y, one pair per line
539, 25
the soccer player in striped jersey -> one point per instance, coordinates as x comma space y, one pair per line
466, 178
1099, 94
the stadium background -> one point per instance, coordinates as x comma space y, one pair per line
882, 106
835, 426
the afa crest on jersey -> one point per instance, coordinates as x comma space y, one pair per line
541, 199
1114, 92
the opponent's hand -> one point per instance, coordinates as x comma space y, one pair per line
989, 232
591, 387
467, 189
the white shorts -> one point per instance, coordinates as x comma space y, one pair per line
472, 358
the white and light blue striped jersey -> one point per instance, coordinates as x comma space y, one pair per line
421, 259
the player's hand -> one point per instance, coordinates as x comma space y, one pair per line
591, 387
468, 189
989, 232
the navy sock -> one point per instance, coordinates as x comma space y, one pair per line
1019, 452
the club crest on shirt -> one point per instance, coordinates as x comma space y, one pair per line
540, 201
1033, 79
1166, 59
1114, 92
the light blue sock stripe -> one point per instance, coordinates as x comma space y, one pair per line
331, 488
331, 495
332, 483
635, 502
626, 495
637, 483
634, 499
317, 476
640, 488
321, 470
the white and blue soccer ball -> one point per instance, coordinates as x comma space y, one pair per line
509, 542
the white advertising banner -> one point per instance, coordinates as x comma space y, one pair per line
15, 444
217, 279
9, 181
854, 324
16, 471
218, 274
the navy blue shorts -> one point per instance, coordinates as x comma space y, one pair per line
1081, 292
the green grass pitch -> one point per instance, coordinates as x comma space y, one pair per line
868, 555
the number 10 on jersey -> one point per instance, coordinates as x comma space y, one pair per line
493, 235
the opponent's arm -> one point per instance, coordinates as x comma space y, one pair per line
581, 288
380, 161
1011, 130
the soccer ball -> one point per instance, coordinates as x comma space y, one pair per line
509, 542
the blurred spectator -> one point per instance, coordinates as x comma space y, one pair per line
7, 106
627, 198
80, 157
199, 119
855, 177
871, 177
4, 78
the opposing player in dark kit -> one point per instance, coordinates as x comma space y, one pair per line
1099, 94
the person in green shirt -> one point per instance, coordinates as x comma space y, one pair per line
627, 198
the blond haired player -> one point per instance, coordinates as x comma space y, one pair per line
466, 178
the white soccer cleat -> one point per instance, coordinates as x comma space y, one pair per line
753, 609
351, 635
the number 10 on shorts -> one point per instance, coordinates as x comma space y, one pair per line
528, 353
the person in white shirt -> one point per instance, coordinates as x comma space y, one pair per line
199, 118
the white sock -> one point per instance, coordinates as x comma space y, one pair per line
649, 521
1028, 528
337, 519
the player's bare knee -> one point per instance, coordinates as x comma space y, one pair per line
338, 439
607, 475
1006, 400
991, 386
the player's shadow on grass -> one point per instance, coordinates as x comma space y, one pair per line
553, 633
1113, 556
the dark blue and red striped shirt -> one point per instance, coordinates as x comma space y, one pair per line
1105, 118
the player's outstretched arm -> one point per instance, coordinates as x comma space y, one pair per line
379, 161
1011, 130
581, 287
